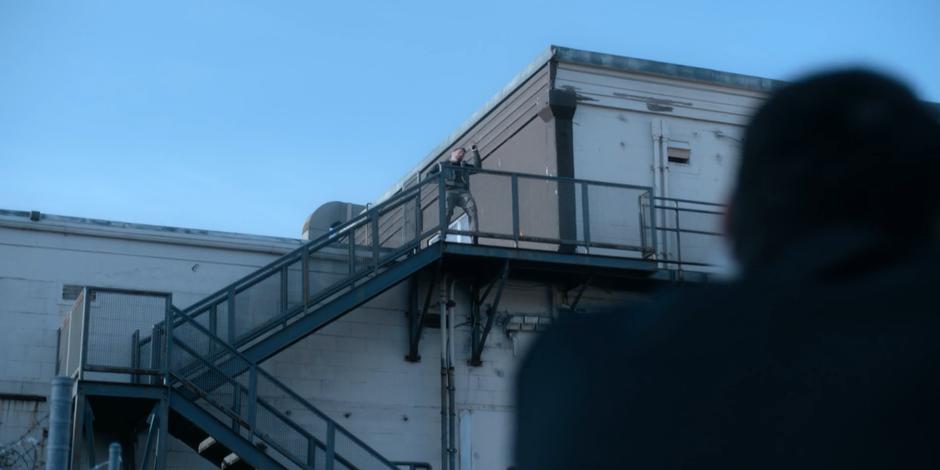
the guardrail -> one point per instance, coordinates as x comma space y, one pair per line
100, 336
253, 403
519, 210
684, 232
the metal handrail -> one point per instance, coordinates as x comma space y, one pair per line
332, 425
295, 254
365, 216
414, 193
662, 204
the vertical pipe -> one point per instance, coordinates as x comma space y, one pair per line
444, 385
60, 422
114, 456
659, 191
451, 388
664, 175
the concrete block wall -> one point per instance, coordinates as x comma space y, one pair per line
354, 369
37, 259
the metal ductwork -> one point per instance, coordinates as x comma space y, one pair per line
329, 215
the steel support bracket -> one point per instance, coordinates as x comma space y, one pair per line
481, 330
416, 317
573, 305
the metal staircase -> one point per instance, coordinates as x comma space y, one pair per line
239, 420
207, 357
231, 411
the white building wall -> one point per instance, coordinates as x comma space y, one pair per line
354, 369
618, 118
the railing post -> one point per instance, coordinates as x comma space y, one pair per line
374, 228
515, 210
168, 339
86, 308
305, 276
252, 396
351, 249
586, 217
653, 227
236, 405
642, 225
678, 240
330, 444
230, 298
311, 452
135, 355
156, 341
419, 214
442, 206
213, 325
284, 289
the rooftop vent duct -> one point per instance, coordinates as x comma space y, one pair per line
330, 215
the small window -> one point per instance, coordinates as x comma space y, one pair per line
70, 291
679, 154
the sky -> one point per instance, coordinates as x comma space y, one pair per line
245, 116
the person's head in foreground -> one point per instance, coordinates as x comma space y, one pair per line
824, 354
849, 150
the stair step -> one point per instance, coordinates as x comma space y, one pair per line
230, 461
206, 444
213, 450
234, 462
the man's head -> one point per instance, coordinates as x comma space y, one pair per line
457, 154
843, 149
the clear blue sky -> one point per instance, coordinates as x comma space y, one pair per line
246, 116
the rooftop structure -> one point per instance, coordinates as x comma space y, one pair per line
388, 338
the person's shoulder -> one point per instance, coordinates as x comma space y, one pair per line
638, 327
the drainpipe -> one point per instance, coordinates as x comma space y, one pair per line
60, 424
445, 445
451, 387
661, 181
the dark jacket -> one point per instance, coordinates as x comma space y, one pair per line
457, 176
829, 358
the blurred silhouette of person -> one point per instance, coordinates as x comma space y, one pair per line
823, 353
457, 185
